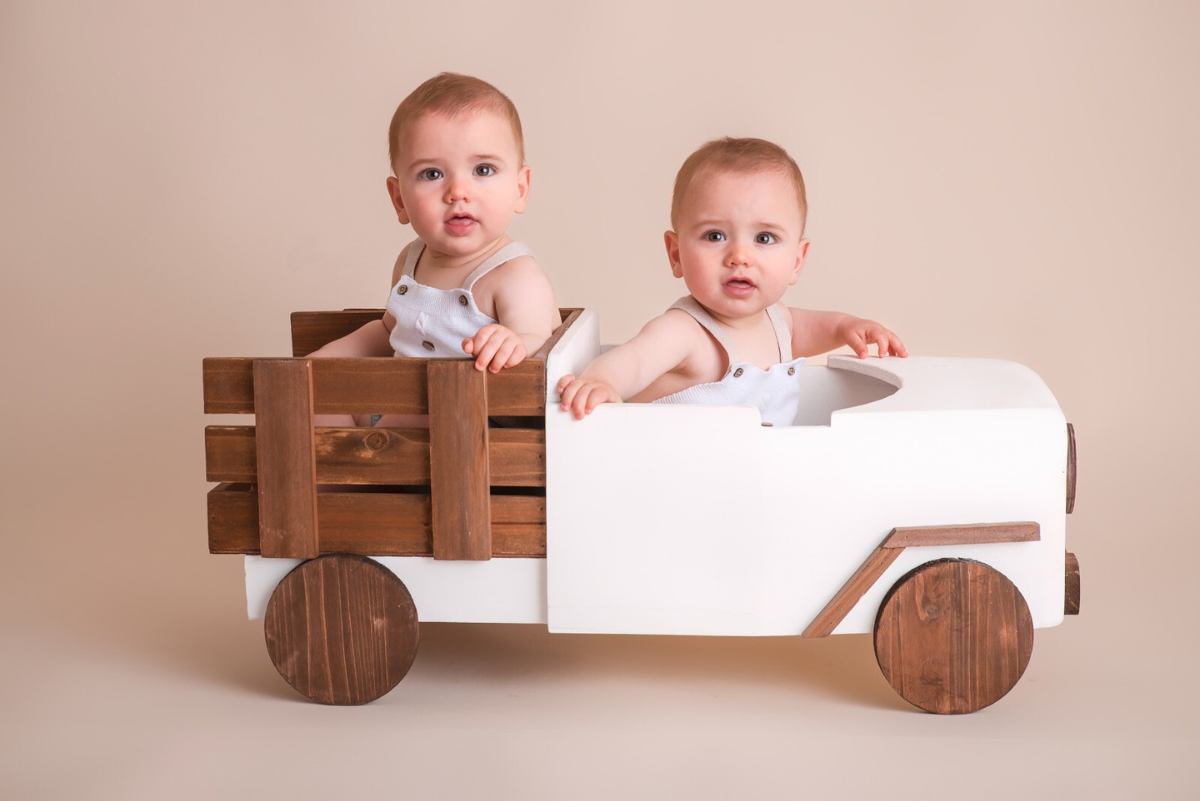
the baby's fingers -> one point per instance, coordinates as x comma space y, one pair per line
857, 344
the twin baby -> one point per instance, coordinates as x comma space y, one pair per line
464, 287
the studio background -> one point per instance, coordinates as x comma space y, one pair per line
1015, 181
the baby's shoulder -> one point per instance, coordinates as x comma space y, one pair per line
513, 274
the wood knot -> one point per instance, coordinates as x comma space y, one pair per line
376, 441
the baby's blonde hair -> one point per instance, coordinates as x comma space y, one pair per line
451, 93
737, 155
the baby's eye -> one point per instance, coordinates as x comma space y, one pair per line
485, 170
714, 236
765, 239
431, 174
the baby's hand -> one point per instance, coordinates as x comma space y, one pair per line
494, 348
858, 334
581, 397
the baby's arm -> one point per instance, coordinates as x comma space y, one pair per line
526, 316
816, 332
661, 346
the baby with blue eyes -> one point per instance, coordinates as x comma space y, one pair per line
738, 216
463, 287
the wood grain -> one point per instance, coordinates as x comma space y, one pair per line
953, 636
375, 524
374, 386
286, 461
313, 330
341, 629
517, 457
458, 463
855, 587
1071, 596
974, 534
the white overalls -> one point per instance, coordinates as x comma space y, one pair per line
775, 391
434, 322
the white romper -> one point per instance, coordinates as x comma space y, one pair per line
775, 391
434, 322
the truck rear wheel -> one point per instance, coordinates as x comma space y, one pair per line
953, 636
341, 629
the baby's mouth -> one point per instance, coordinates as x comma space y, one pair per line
739, 287
460, 223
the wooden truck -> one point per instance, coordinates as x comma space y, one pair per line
922, 500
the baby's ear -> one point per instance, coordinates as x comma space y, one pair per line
524, 176
801, 255
393, 187
671, 239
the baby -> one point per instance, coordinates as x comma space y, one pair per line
463, 287
738, 216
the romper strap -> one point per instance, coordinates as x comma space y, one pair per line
415, 249
692, 306
513, 250
782, 335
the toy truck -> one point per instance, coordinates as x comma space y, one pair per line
922, 500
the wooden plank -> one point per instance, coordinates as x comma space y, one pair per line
287, 486
313, 330
863, 579
458, 463
374, 386
375, 524
1071, 596
233, 519
387, 456
962, 535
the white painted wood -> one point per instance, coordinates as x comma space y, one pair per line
698, 520
495, 591
694, 520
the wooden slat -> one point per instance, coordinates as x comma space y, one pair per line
840, 605
374, 524
287, 488
312, 330
458, 463
388, 456
374, 386
962, 535
894, 544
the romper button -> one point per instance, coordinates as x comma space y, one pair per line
737, 373
462, 300
400, 290
791, 371
427, 345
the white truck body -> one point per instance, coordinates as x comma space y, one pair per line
699, 520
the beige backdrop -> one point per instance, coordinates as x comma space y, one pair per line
1014, 181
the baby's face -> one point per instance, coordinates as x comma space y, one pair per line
459, 180
738, 244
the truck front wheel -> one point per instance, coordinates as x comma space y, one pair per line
953, 636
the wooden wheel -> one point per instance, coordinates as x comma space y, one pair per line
953, 636
341, 629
